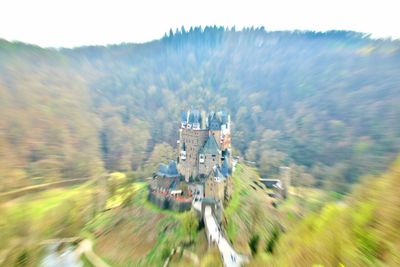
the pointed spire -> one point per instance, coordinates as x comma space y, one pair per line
210, 147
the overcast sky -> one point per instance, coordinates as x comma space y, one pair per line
69, 23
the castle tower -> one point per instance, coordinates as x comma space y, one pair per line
204, 141
191, 138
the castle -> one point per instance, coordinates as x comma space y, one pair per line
205, 151
204, 158
204, 142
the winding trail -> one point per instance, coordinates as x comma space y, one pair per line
229, 255
39, 187
214, 234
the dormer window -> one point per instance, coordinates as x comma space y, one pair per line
201, 158
183, 154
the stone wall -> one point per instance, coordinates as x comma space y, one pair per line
166, 202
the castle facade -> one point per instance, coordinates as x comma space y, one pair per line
204, 156
204, 143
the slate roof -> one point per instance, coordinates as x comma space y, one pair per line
210, 147
216, 119
191, 118
213, 121
225, 168
169, 170
194, 117
184, 117
219, 177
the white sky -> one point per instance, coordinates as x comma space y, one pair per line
69, 23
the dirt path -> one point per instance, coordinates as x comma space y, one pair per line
86, 247
214, 234
39, 187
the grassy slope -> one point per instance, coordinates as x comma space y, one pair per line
363, 230
249, 211
138, 235
54, 213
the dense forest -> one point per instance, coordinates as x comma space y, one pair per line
360, 231
326, 104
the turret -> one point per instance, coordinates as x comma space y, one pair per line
184, 119
190, 120
196, 120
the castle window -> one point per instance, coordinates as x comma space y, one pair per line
201, 158
183, 155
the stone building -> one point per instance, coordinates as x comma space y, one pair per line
209, 156
205, 152
204, 141
279, 186
214, 186
204, 147
218, 184
165, 189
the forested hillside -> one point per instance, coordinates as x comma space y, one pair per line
361, 231
325, 103
47, 128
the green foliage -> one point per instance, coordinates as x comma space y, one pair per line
114, 182
166, 251
253, 243
190, 223
325, 101
249, 212
273, 239
27, 221
162, 153
117, 176
360, 231
23, 259
211, 259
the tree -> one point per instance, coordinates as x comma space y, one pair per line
126, 99
253, 243
190, 223
271, 243
162, 153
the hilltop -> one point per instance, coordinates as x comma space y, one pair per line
324, 103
